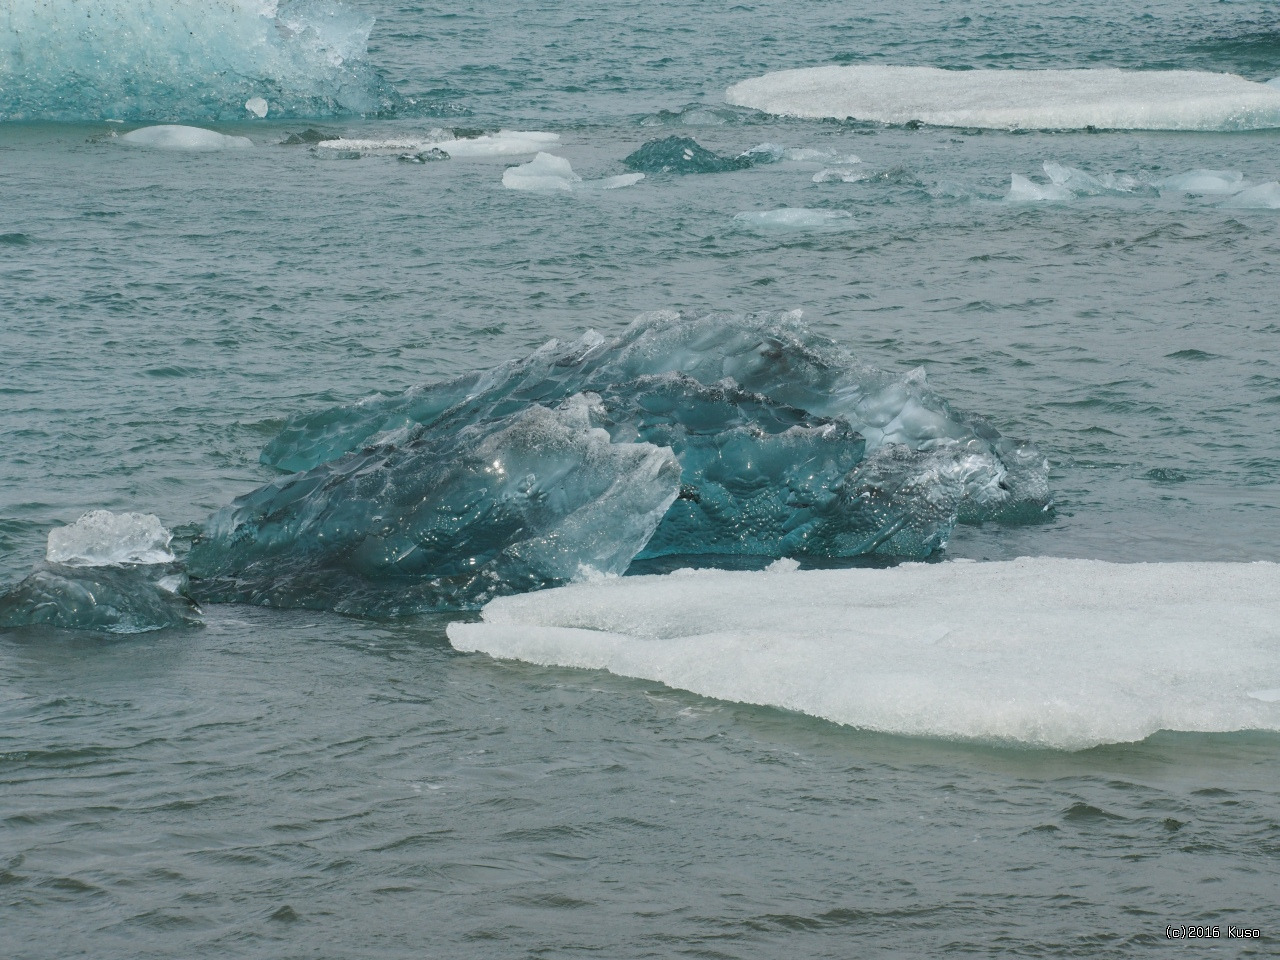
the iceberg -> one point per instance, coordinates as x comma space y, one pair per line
159, 60
1039, 652
107, 573
1017, 99
684, 155
785, 443
421, 522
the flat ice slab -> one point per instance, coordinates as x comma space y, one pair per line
1017, 99
1044, 652
179, 137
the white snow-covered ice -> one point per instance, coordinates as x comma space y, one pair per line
1043, 652
102, 538
547, 173
1017, 99
179, 137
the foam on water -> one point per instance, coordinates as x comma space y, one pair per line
1017, 99
159, 60
796, 218
1046, 652
177, 137
103, 538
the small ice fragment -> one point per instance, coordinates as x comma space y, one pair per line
103, 538
1265, 196
797, 218
783, 565
1023, 190
545, 172
257, 106
1204, 181
178, 137
838, 175
622, 180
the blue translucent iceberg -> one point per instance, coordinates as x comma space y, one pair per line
132, 599
682, 155
161, 60
431, 520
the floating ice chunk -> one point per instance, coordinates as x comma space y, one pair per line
806, 155
796, 218
682, 155
765, 153
524, 501
504, 143
838, 175
177, 137
149, 61
1022, 190
257, 106
1044, 652
618, 182
1087, 185
102, 538
1017, 99
102, 599
1203, 181
544, 172
1265, 196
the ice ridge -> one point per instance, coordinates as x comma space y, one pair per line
1017, 99
160, 60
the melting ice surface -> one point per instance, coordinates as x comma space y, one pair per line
683, 435
549, 173
1017, 99
178, 137
165, 60
1044, 652
107, 572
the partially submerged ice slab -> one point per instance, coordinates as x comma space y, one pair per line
426, 521
683, 155
108, 573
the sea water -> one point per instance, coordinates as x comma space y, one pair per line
280, 783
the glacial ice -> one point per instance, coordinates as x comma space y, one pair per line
547, 173
786, 444
107, 572
682, 155
160, 60
178, 137
1265, 196
796, 219
424, 521
1017, 99
504, 143
102, 538
1203, 182
1043, 652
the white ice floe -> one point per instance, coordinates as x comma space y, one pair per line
504, 143
102, 538
1017, 99
796, 218
178, 137
1045, 652
1265, 196
548, 173
1203, 181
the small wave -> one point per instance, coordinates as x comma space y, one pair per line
796, 219
159, 60
1043, 652
1017, 99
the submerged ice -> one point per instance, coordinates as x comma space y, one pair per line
157, 60
107, 572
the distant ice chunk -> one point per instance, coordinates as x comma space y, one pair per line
1017, 99
1203, 182
619, 181
796, 218
838, 175
504, 143
544, 172
1083, 184
102, 538
683, 155
1265, 196
1023, 190
178, 137
257, 106
1065, 654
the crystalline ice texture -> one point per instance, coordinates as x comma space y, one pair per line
100, 599
532, 499
103, 538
